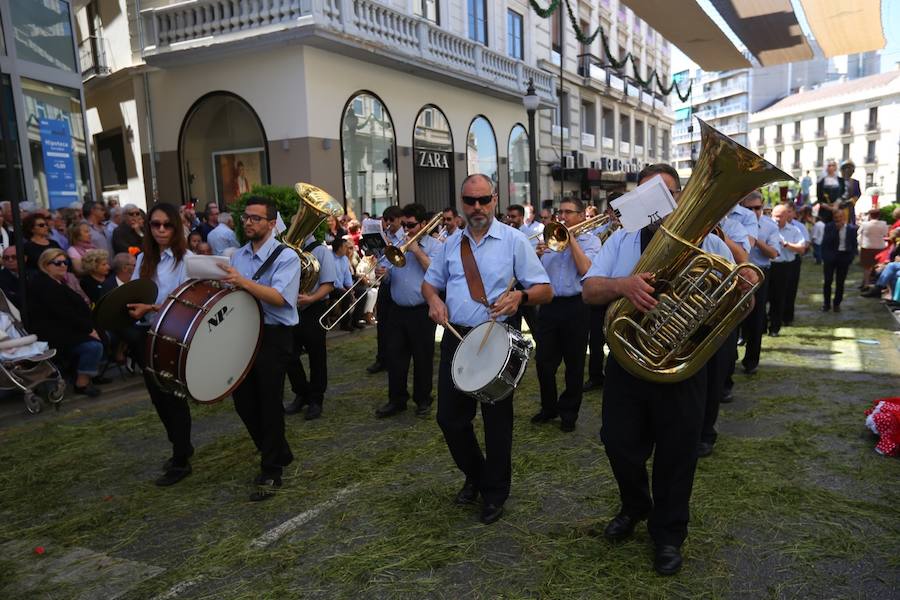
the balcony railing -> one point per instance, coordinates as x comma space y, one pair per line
588, 139
779, 141
872, 127
871, 160
797, 137
796, 165
846, 130
92, 57
181, 26
820, 134
818, 164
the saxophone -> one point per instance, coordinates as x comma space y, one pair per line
699, 297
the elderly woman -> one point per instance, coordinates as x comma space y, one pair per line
79, 244
96, 280
36, 228
60, 317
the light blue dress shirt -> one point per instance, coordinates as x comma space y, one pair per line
406, 281
283, 275
344, 278
561, 269
768, 234
531, 230
620, 254
327, 268
169, 275
802, 229
222, 237
736, 231
501, 253
747, 218
789, 234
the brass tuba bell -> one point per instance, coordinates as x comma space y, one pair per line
316, 205
699, 300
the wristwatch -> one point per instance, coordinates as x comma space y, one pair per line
524, 297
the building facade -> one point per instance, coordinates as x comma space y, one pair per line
43, 104
855, 120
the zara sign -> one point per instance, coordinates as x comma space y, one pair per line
432, 159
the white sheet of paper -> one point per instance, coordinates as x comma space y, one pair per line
280, 227
205, 267
645, 204
371, 226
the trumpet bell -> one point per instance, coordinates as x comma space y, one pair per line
556, 236
395, 256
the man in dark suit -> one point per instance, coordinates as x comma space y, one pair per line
9, 276
838, 249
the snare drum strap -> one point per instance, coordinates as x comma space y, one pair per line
470, 268
265, 266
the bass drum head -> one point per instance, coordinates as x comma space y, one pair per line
472, 370
223, 346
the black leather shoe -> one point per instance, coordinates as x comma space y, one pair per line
621, 527
704, 449
295, 406
491, 513
467, 495
592, 384
389, 410
313, 411
567, 426
667, 560
825, 308
727, 397
173, 475
266, 486
837, 308
751, 370
542, 417
423, 409
375, 367
90, 390
98, 380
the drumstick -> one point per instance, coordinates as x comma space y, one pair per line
487, 334
453, 330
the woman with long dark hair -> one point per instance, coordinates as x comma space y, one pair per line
163, 261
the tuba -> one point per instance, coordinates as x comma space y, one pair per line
316, 205
698, 294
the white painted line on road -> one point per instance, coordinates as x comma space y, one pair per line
179, 588
306, 516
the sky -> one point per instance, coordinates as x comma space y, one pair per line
890, 20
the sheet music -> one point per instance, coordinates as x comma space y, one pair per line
646, 204
205, 267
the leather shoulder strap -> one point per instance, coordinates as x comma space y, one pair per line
265, 266
470, 268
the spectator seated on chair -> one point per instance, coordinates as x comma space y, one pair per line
96, 280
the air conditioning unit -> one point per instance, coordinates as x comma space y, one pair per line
569, 161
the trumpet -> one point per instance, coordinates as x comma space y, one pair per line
557, 236
396, 255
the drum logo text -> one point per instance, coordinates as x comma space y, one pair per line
219, 317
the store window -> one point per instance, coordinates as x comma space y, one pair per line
7, 165
519, 170
433, 156
481, 149
367, 147
43, 32
222, 151
56, 142
111, 160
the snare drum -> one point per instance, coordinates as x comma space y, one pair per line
205, 340
492, 374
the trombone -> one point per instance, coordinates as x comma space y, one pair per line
557, 236
396, 255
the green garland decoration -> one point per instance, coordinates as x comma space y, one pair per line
544, 13
587, 40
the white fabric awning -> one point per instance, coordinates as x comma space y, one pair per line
845, 26
768, 28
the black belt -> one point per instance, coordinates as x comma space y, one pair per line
276, 326
566, 298
416, 307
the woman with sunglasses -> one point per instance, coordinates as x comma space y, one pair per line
60, 317
37, 235
163, 261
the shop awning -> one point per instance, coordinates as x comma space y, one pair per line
768, 28
845, 27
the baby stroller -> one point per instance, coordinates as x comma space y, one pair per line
25, 363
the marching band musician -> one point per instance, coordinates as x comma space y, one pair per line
163, 261
310, 334
561, 333
269, 271
393, 233
641, 418
497, 253
515, 218
411, 334
448, 223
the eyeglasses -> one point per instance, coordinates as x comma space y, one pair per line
255, 219
409, 225
162, 225
41, 224
448, 219
567, 211
482, 200
58, 263
757, 207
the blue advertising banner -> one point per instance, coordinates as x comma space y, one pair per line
59, 163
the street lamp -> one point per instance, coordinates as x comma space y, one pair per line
532, 101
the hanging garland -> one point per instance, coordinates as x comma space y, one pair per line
618, 64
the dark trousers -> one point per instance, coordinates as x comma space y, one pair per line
640, 417
410, 337
383, 308
754, 325
779, 274
310, 335
596, 341
258, 400
529, 314
490, 472
790, 295
718, 371
835, 270
562, 336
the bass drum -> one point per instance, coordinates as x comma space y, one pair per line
205, 340
492, 374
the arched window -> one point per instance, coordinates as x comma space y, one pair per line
222, 150
519, 168
367, 148
481, 149
433, 159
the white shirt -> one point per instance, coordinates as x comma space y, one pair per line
818, 232
221, 238
872, 233
169, 275
842, 239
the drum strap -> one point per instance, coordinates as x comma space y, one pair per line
265, 266
310, 246
470, 268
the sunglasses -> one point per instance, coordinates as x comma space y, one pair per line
162, 225
58, 263
409, 225
255, 219
40, 224
482, 200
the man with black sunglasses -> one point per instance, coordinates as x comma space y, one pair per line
393, 233
411, 335
500, 253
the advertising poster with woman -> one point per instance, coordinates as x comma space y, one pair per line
237, 171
